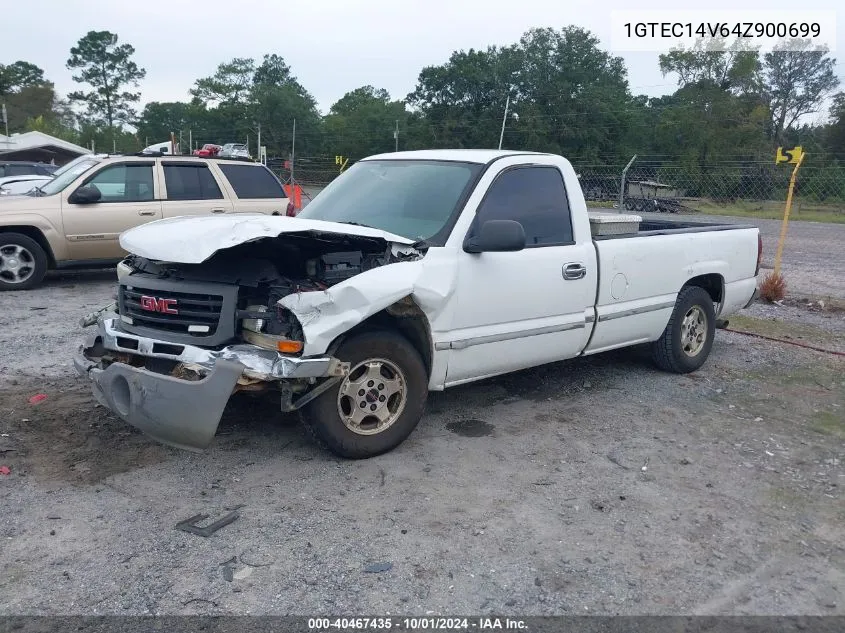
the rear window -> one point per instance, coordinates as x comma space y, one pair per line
190, 182
253, 181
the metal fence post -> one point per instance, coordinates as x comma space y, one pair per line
622, 182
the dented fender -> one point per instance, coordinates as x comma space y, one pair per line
325, 315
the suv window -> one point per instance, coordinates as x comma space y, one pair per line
253, 181
192, 181
536, 198
125, 183
21, 170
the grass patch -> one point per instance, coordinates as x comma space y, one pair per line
829, 423
786, 330
801, 212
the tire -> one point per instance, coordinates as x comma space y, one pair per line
23, 263
330, 417
679, 349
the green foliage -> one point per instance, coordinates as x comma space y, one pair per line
797, 83
108, 68
19, 75
362, 123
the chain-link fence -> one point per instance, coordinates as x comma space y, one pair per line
736, 187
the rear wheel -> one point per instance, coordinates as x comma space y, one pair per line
378, 405
23, 263
688, 338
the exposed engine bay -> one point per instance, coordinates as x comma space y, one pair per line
236, 292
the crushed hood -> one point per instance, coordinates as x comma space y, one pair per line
192, 240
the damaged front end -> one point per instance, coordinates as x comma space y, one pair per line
182, 338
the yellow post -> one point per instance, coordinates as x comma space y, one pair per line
786, 214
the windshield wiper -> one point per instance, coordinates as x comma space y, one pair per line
366, 226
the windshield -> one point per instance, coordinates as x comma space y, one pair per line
66, 175
411, 198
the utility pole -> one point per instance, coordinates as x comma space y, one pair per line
113, 145
259, 142
190, 140
396, 136
6, 122
504, 119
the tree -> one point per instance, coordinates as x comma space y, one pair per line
29, 102
19, 75
272, 71
108, 68
231, 82
570, 96
362, 122
797, 82
158, 119
736, 70
835, 132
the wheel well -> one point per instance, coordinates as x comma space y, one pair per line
35, 234
405, 317
712, 283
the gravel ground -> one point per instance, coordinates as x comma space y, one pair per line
580, 487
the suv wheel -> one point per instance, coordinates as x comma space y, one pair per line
23, 263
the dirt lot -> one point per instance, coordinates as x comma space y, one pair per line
594, 486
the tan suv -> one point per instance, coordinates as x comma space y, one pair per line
75, 219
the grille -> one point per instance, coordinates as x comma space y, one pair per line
193, 309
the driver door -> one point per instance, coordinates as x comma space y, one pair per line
129, 196
529, 307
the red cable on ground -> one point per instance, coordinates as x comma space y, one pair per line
780, 340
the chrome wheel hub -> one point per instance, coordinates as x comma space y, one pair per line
694, 331
372, 396
17, 264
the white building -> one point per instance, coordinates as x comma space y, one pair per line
40, 147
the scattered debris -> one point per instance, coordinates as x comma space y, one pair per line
186, 603
246, 572
377, 568
5, 470
685, 461
39, 397
189, 524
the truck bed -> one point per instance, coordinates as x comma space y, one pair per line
669, 227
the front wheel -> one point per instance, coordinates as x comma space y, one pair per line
688, 338
378, 405
23, 263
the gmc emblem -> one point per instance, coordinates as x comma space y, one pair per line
152, 304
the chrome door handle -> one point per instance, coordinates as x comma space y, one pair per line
146, 213
574, 271
218, 210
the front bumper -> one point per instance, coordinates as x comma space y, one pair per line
175, 411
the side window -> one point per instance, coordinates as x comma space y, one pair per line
536, 198
190, 182
125, 183
21, 170
253, 181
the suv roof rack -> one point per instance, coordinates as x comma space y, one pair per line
166, 155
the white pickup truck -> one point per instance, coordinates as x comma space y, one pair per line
411, 272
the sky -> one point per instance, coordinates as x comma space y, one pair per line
332, 46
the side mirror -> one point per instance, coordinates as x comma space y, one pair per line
497, 236
87, 194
